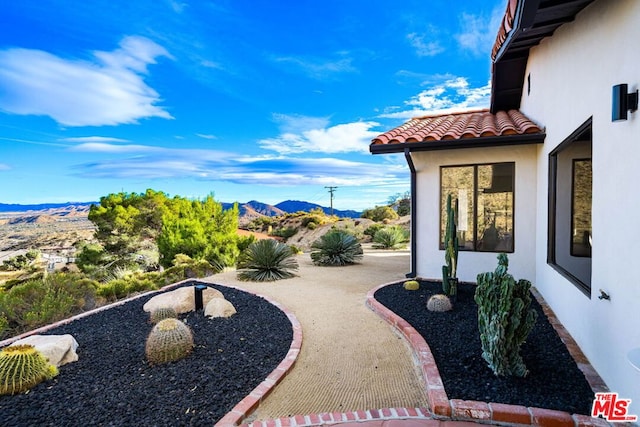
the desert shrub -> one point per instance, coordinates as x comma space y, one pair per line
390, 238
4, 326
267, 260
312, 225
336, 248
380, 213
113, 289
373, 229
38, 302
245, 241
284, 232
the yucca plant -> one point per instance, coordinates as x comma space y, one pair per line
336, 248
267, 260
390, 238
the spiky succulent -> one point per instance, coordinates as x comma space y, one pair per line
336, 248
439, 302
411, 285
169, 340
162, 313
22, 367
267, 260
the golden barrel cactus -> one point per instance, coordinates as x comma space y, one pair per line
169, 340
22, 367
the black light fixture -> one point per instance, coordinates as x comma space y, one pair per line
622, 101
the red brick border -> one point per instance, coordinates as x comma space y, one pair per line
483, 412
250, 403
348, 418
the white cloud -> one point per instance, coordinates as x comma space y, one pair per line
109, 90
319, 68
301, 134
84, 139
206, 136
425, 48
480, 31
148, 162
451, 95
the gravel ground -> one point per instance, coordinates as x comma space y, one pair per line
554, 380
113, 385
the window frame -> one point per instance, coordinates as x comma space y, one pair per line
582, 133
475, 192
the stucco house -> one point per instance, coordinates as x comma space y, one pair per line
549, 174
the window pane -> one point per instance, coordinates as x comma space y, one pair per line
581, 209
458, 181
495, 207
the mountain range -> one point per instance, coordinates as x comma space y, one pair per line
249, 210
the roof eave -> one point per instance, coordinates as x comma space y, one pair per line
455, 144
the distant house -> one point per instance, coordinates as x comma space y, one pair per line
545, 173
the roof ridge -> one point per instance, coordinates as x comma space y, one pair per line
452, 113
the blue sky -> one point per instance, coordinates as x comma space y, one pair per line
245, 99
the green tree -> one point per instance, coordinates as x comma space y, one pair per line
199, 229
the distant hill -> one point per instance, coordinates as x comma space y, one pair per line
78, 206
248, 211
291, 206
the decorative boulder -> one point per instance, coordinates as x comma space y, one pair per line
58, 349
182, 300
219, 307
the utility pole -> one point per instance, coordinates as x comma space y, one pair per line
331, 190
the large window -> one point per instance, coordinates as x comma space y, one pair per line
485, 205
570, 179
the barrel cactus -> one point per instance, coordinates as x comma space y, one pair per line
504, 319
411, 285
169, 340
22, 367
439, 302
162, 313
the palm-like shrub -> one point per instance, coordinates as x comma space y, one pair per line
390, 238
336, 248
267, 260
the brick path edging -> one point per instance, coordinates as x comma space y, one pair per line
495, 413
250, 403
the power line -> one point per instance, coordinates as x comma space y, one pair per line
331, 191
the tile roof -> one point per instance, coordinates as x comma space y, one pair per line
459, 126
506, 25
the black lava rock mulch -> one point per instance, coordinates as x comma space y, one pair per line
113, 385
554, 380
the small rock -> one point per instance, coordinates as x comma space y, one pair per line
59, 349
219, 307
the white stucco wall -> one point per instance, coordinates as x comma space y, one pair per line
572, 75
430, 258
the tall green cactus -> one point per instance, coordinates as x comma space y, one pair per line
504, 319
449, 271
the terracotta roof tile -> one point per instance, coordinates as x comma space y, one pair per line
506, 25
456, 126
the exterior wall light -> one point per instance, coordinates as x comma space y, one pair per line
622, 101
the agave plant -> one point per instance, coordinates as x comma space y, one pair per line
267, 260
390, 238
336, 248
